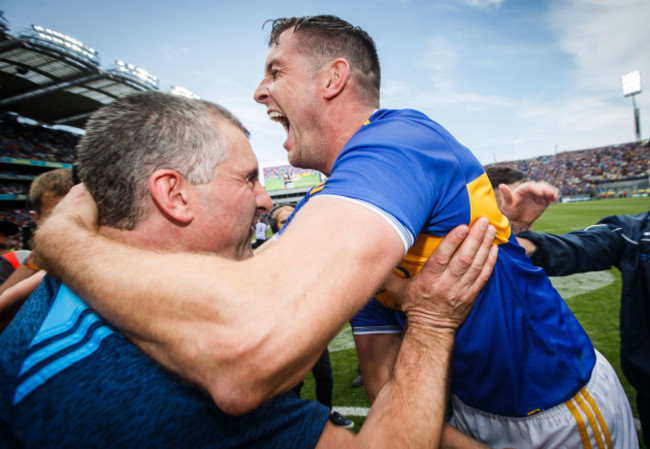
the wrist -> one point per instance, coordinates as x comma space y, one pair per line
431, 324
518, 227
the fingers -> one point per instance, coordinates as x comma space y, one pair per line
538, 191
446, 249
486, 271
506, 193
475, 248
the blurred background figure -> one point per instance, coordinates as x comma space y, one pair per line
9, 261
45, 193
280, 216
503, 175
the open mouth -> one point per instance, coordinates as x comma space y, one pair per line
281, 119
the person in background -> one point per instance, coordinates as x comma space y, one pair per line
45, 192
621, 241
9, 261
260, 232
500, 174
280, 216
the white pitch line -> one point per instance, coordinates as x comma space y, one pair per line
352, 411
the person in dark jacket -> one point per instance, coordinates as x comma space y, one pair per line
621, 241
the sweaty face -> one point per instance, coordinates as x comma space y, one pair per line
291, 95
230, 204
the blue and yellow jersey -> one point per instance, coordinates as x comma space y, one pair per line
520, 349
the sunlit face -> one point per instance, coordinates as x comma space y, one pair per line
229, 206
290, 91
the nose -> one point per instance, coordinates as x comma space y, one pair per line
264, 203
261, 94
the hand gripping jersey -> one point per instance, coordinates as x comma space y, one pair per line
521, 350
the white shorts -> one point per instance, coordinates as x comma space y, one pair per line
598, 416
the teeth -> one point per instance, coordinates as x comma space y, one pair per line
277, 116
280, 118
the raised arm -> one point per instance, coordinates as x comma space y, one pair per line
237, 329
410, 409
526, 203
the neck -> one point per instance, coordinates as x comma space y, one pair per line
145, 235
343, 123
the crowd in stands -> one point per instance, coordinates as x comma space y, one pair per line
14, 189
20, 140
280, 172
575, 172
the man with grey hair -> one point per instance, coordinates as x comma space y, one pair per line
172, 174
402, 182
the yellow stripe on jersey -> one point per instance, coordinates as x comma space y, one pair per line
317, 188
482, 204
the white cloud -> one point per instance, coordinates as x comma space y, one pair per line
608, 38
483, 3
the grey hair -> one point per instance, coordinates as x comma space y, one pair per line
128, 140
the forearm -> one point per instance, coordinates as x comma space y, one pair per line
236, 329
21, 273
419, 384
573, 252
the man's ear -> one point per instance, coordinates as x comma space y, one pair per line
337, 77
170, 193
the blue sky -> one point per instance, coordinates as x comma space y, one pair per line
511, 79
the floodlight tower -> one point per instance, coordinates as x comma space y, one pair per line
631, 84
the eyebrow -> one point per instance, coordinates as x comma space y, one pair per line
270, 65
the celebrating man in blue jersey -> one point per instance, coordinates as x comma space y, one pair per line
524, 372
70, 379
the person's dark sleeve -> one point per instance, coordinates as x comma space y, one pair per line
595, 248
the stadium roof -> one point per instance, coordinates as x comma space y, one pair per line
54, 79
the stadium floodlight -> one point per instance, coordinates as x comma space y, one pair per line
69, 43
137, 72
631, 84
183, 92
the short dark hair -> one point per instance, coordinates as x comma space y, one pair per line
500, 174
327, 36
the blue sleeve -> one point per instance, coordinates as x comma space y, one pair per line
385, 165
595, 248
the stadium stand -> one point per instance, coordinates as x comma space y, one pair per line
614, 170
49, 79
